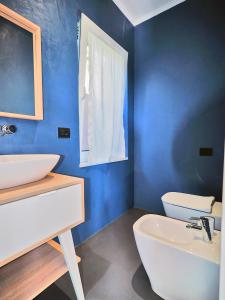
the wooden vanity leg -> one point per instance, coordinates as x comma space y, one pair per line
68, 248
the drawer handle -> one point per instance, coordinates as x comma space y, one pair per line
47, 194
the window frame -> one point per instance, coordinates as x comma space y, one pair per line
87, 26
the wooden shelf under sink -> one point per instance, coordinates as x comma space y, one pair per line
29, 275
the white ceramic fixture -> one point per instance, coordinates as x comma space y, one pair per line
179, 264
25, 168
184, 206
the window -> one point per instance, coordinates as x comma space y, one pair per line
102, 89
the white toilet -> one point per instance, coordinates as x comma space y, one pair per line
183, 206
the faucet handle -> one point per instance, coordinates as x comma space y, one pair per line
204, 223
7, 129
211, 221
206, 229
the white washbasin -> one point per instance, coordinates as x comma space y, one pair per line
25, 168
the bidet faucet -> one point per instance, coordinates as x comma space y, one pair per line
206, 224
7, 129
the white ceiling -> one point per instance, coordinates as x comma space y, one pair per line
138, 11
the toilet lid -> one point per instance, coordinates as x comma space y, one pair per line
201, 203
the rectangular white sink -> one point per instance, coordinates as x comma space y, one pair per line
21, 169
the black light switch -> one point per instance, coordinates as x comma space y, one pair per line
206, 152
63, 133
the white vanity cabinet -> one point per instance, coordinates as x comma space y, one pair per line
33, 214
33, 220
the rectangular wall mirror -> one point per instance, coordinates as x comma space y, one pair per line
20, 67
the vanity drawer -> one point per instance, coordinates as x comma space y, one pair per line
27, 223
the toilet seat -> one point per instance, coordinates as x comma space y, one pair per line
201, 203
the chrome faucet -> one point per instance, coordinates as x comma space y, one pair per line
7, 129
206, 224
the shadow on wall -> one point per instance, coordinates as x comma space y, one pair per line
203, 174
179, 102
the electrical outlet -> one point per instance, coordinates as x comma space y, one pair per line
63, 133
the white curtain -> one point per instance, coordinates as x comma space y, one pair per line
102, 105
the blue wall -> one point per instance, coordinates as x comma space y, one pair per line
108, 188
179, 102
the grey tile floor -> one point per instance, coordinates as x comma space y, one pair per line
110, 269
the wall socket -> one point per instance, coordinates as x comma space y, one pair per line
63, 133
206, 151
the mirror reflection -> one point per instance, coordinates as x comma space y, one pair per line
16, 69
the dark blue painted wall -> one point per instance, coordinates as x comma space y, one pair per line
108, 188
179, 102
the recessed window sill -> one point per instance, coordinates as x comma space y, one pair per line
87, 164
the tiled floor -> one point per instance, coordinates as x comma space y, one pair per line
111, 268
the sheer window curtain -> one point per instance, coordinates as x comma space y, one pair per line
102, 86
